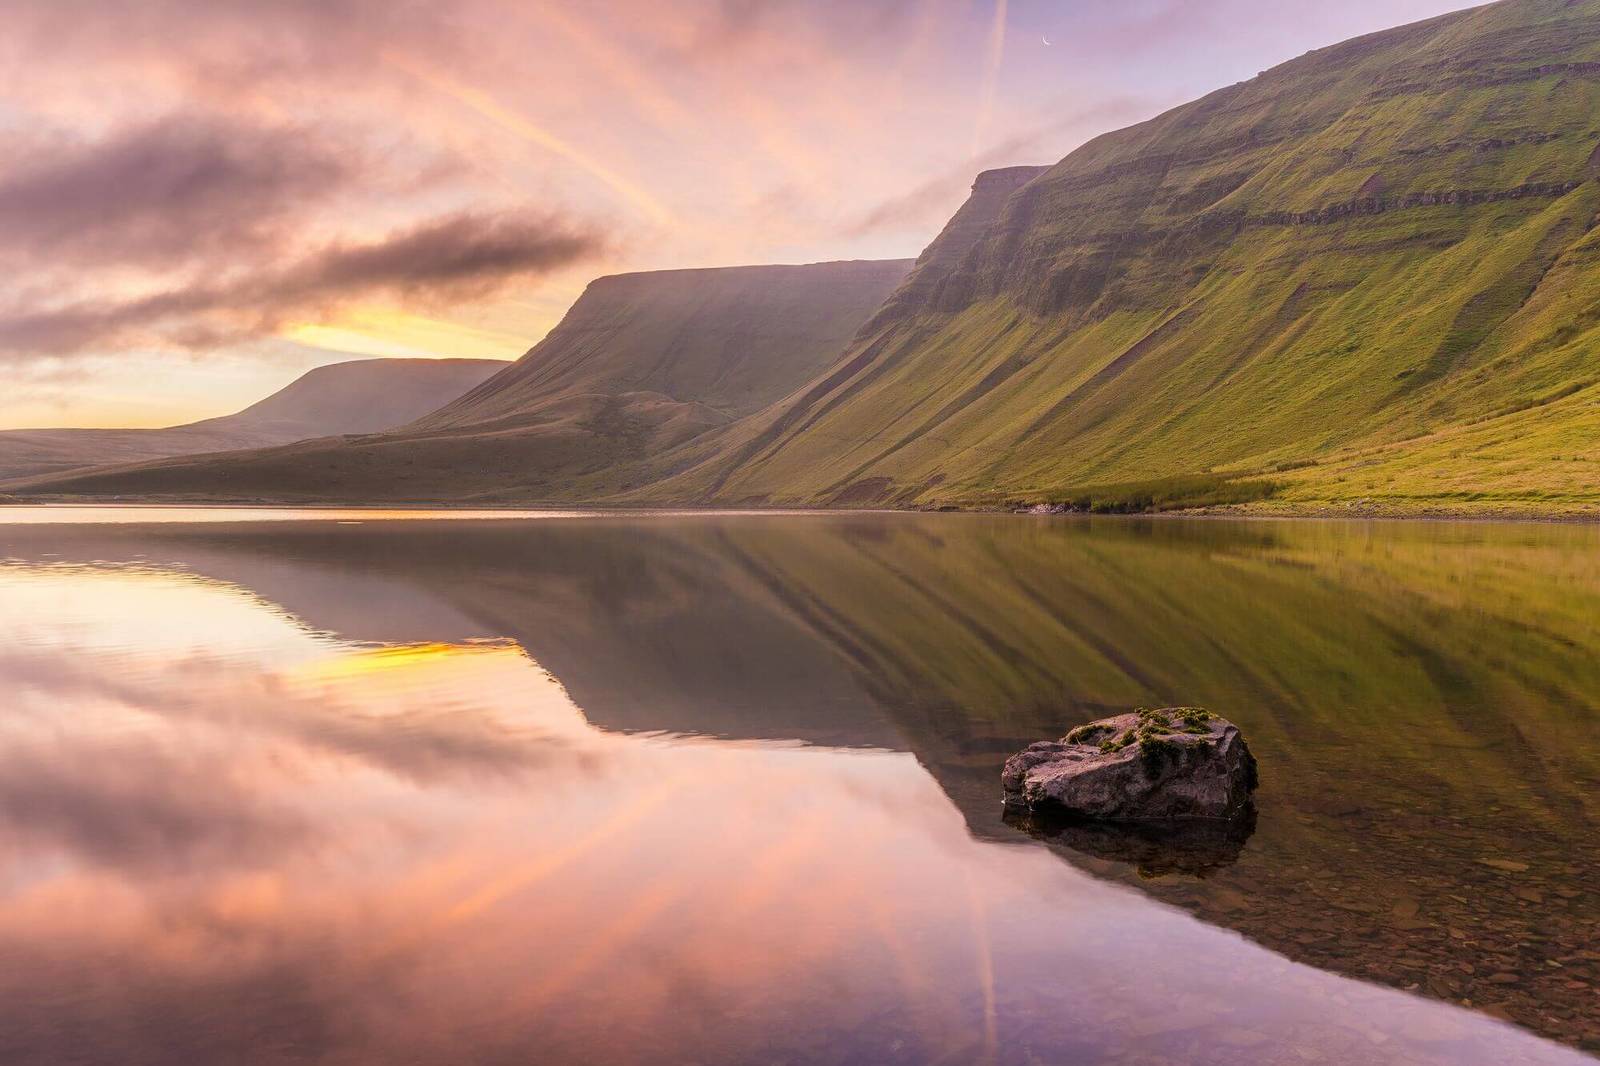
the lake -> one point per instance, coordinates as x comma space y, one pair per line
387, 788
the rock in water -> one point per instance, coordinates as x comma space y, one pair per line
1151, 766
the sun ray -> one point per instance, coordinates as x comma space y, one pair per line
601, 945
993, 54
984, 958
526, 876
489, 108
665, 111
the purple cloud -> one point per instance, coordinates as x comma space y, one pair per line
159, 195
459, 256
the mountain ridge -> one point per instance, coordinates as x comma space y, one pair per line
691, 367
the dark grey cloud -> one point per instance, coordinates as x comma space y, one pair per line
164, 193
456, 257
462, 251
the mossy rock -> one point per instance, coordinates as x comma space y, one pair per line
1153, 765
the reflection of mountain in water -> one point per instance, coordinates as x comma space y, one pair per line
1421, 700
646, 633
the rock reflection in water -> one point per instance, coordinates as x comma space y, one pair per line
1193, 848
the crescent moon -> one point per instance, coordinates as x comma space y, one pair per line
1046, 40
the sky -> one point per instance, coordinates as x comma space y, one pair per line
202, 199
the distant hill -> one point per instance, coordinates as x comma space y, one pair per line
641, 364
361, 396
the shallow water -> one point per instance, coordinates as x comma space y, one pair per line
725, 789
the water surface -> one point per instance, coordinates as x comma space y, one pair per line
724, 789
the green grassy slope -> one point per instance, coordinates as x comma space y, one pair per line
1363, 246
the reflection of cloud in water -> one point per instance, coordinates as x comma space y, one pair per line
136, 805
175, 762
416, 733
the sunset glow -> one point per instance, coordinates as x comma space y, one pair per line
395, 333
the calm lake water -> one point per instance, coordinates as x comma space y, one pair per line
724, 789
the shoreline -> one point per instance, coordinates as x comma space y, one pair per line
1242, 512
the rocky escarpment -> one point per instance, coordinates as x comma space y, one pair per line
1288, 147
938, 279
1171, 765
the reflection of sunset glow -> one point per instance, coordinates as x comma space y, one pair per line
409, 658
984, 957
769, 871
610, 936
523, 878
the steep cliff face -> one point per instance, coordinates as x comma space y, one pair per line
942, 277
360, 396
1382, 241
1466, 109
